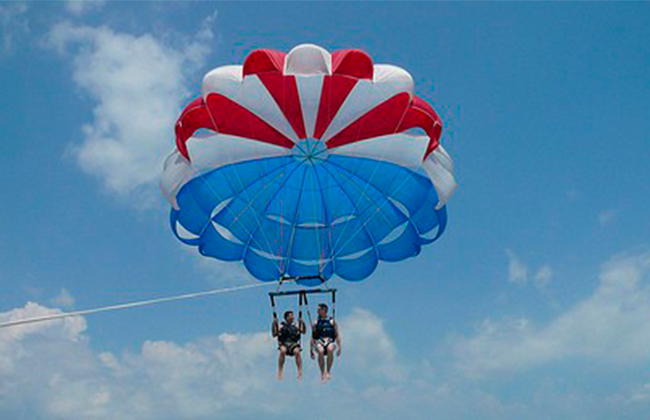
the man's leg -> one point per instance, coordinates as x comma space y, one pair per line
296, 354
321, 360
330, 358
281, 357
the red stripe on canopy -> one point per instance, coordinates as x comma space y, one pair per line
264, 61
395, 115
381, 120
232, 118
334, 92
422, 115
353, 63
194, 117
285, 93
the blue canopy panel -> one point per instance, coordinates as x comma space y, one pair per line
284, 216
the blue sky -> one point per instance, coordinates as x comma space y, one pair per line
535, 302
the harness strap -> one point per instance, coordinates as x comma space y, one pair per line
275, 314
300, 322
304, 297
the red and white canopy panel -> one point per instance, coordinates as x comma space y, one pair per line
308, 163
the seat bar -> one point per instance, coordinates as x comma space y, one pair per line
299, 278
301, 292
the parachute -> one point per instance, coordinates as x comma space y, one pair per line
308, 164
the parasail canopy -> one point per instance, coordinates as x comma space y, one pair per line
308, 164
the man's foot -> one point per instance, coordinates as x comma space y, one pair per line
280, 375
300, 375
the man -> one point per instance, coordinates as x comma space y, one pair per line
325, 333
288, 334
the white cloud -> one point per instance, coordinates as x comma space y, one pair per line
543, 276
79, 7
370, 350
517, 270
137, 84
68, 328
13, 25
612, 325
63, 299
50, 371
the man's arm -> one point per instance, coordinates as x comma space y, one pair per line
338, 339
275, 329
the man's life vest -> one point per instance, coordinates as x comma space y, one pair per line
324, 328
289, 333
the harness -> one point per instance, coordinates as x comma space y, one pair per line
324, 328
289, 333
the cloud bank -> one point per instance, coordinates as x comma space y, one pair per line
137, 85
612, 325
51, 370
